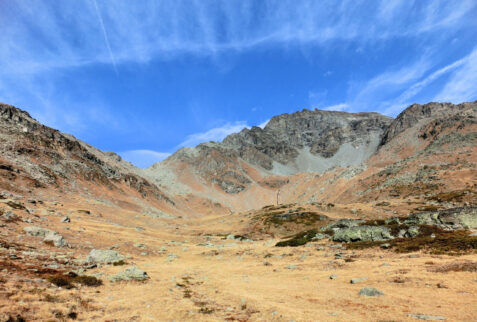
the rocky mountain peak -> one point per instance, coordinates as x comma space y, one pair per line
417, 113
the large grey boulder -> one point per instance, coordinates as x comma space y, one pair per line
462, 217
362, 233
104, 256
130, 273
49, 236
454, 218
56, 240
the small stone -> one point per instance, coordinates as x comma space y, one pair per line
333, 276
66, 219
358, 280
385, 245
427, 317
370, 291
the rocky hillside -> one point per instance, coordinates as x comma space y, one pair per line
304, 157
34, 156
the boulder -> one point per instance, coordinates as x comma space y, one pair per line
129, 274
49, 236
104, 256
370, 291
454, 218
56, 239
362, 233
462, 217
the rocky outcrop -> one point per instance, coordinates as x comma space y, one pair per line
417, 113
362, 233
48, 157
454, 218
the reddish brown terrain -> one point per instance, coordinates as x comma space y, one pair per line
271, 224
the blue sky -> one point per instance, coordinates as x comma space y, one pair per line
144, 78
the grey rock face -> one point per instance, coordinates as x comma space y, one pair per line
130, 273
370, 292
104, 256
362, 233
321, 132
290, 143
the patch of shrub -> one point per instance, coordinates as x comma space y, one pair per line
119, 263
466, 266
61, 281
299, 239
87, 280
431, 239
206, 310
66, 281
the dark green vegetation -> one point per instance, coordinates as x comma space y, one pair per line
119, 263
299, 239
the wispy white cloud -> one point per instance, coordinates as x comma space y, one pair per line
215, 134
462, 85
337, 107
143, 158
106, 40
139, 33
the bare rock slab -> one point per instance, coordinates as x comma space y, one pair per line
130, 274
104, 256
